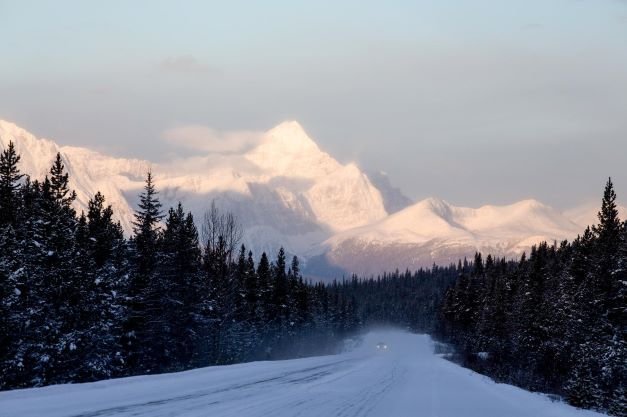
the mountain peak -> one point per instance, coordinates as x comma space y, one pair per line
36, 154
289, 137
290, 127
12, 132
286, 149
530, 204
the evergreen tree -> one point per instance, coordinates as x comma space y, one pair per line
104, 235
264, 276
265, 305
609, 227
252, 291
170, 296
59, 185
146, 226
9, 260
280, 289
141, 322
9, 184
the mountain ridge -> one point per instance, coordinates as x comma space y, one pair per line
296, 198
434, 231
287, 191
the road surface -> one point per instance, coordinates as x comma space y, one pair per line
406, 380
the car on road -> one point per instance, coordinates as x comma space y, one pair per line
381, 346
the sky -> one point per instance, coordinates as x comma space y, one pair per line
472, 101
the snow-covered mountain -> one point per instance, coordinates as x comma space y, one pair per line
434, 231
288, 192
89, 171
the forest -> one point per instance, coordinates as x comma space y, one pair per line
79, 301
553, 321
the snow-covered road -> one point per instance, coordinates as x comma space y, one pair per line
407, 380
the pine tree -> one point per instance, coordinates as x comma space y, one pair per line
298, 291
609, 227
104, 236
280, 288
47, 278
27, 361
264, 275
146, 226
240, 306
9, 184
170, 296
9, 258
266, 311
59, 185
251, 288
139, 326
63, 274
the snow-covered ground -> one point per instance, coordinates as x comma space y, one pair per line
406, 380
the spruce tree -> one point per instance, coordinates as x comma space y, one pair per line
170, 295
265, 303
264, 275
146, 226
64, 275
141, 321
9, 184
251, 288
9, 257
59, 185
609, 227
279, 298
608, 238
104, 235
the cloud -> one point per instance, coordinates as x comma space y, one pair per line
209, 140
186, 64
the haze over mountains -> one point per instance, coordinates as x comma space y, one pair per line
288, 192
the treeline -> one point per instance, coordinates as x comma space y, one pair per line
553, 322
79, 302
409, 300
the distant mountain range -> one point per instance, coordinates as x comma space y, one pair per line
287, 192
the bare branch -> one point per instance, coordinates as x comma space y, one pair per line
221, 226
